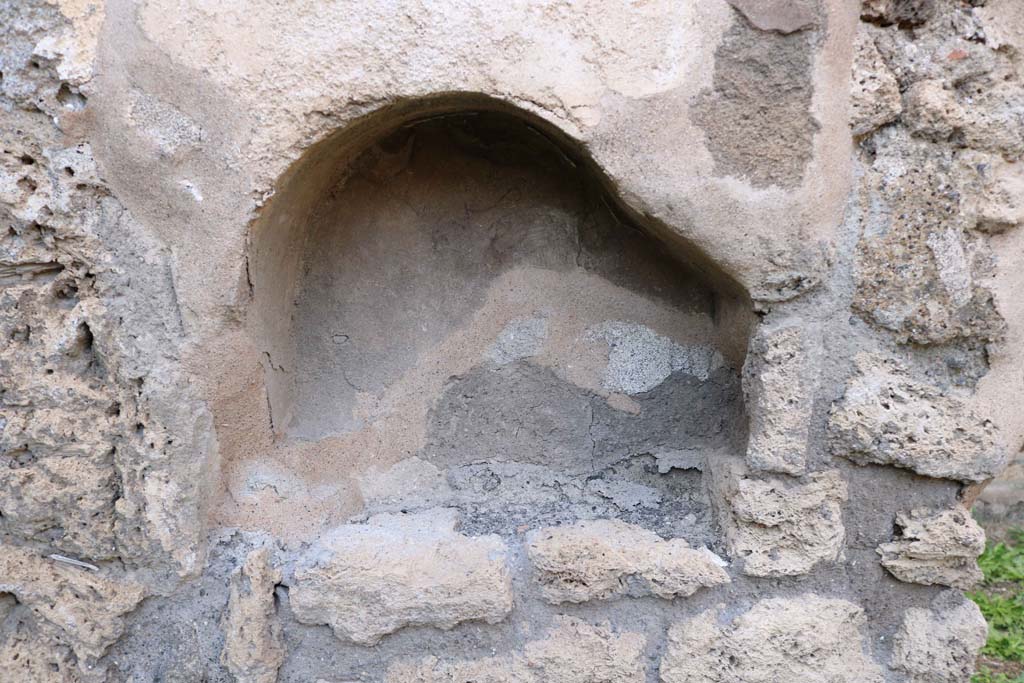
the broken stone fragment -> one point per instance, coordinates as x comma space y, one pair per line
992, 190
594, 560
887, 418
935, 547
396, 570
902, 12
931, 111
573, 651
30, 653
253, 643
874, 93
88, 608
940, 644
920, 271
807, 639
778, 384
781, 528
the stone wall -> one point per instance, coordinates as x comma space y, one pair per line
536, 342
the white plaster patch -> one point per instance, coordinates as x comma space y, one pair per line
640, 359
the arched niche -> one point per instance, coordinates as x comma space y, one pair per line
459, 272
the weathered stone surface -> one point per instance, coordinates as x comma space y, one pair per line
781, 528
87, 608
993, 191
103, 448
593, 560
932, 111
902, 12
807, 639
572, 652
32, 656
887, 418
935, 547
413, 569
874, 93
253, 642
940, 644
919, 272
779, 381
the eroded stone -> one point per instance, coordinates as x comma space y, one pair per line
932, 111
572, 652
935, 547
87, 608
780, 528
919, 272
807, 639
778, 384
940, 644
599, 559
874, 93
887, 418
902, 12
413, 569
993, 191
253, 642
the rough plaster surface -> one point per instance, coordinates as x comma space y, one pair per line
287, 288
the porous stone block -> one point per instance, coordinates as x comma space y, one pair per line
935, 547
807, 639
775, 527
919, 271
593, 560
887, 418
993, 191
253, 641
779, 383
874, 92
396, 570
940, 644
902, 12
573, 651
87, 608
932, 111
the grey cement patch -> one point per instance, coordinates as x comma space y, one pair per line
757, 116
524, 448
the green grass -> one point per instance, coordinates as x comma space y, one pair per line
1001, 562
986, 676
1001, 599
1005, 617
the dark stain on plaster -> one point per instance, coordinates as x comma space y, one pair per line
757, 118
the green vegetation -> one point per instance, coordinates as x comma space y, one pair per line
1001, 599
986, 676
